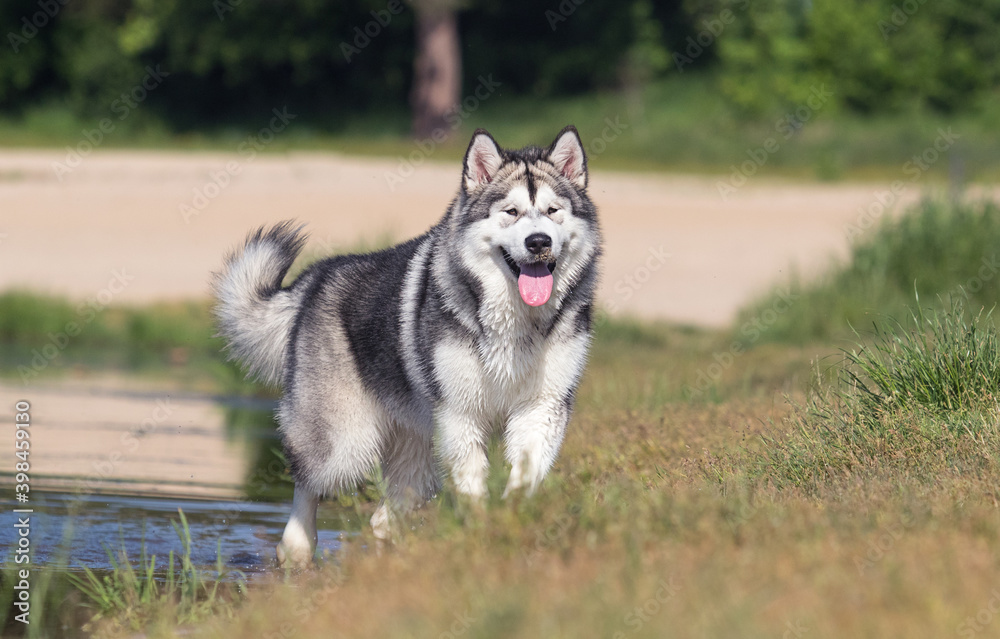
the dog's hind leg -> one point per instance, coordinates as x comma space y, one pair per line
298, 542
410, 474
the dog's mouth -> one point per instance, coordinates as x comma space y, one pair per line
534, 279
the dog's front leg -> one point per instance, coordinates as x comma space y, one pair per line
463, 450
536, 427
532, 441
459, 416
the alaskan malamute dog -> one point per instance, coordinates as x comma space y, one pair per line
482, 324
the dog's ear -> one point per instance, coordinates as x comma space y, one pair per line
566, 154
482, 160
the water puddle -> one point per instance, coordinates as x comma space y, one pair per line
111, 467
243, 532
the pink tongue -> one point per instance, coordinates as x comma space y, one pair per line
535, 284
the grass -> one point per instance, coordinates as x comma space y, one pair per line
784, 490
53, 603
44, 336
917, 397
938, 360
128, 600
679, 123
746, 518
645, 530
123, 599
941, 249
736, 513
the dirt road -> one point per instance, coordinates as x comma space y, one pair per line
141, 226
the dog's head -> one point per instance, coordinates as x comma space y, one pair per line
528, 214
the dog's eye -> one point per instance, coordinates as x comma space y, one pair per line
511, 211
552, 210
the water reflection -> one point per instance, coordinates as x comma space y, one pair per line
267, 475
243, 521
245, 532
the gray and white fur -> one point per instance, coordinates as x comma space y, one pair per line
411, 357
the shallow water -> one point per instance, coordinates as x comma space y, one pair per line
84, 528
111, 467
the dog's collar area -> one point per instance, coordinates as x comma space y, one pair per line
516, 269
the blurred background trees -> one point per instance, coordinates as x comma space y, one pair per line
878, 56
437, 66
228, 59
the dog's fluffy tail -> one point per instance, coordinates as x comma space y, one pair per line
255, 314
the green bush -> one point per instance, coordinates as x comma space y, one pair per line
30, 317
884, 55
945, 360
765, 59
937, 248
41, 335
919, 396
230, 59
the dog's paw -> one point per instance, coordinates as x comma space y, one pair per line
294, 557
382, 523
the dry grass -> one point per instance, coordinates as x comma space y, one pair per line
633, 538
704, 494
662, 518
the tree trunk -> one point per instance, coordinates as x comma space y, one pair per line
437, 77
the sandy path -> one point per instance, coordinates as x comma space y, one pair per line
117, 216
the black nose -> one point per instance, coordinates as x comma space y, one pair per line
538, 242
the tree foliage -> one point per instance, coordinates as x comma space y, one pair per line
876, 55
230, 59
